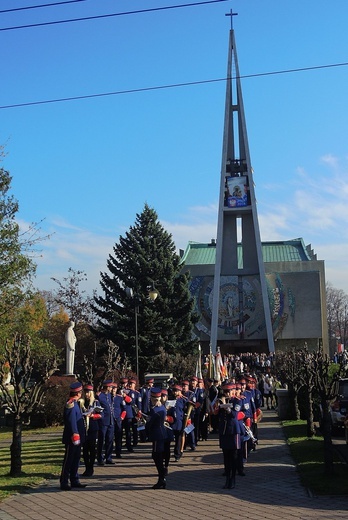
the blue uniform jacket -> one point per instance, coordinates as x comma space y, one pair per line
145, 393
230, 429
177, 412
119, 406
248, 404
106, 402
136, 401
73, 422
155, 425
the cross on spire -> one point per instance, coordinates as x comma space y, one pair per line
231, 14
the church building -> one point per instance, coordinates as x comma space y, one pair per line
251, 296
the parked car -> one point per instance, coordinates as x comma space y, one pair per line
339, 407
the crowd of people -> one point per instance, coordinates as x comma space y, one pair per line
99, 426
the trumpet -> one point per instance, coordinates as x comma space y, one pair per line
250, 434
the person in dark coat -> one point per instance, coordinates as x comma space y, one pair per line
229, 414
177, 412
89, 450
74, 436
169, 431
106, 426
157, 435
119, 409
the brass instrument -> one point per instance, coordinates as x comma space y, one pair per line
189, 407
250, 434
140, 417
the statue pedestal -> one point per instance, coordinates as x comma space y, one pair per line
283, 403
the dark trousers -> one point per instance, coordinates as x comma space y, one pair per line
166, 453
178, 443
118, 431
89, 452
203, 426
105, 443
157, 457
70, 464
230, 462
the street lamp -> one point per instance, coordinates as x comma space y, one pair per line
152, 294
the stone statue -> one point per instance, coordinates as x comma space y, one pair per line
70, 340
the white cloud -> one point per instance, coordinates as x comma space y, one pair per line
315, 209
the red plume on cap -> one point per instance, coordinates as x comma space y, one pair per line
88, 388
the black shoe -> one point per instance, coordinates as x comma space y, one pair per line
232, 483
226, 483
130, 450
101, 463
161, 484
88, 473
78, 485
110, 462
118, 456
193, 448
65, 487
241, 473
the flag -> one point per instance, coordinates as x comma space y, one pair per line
199, 363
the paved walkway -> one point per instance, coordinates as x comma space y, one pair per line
270, 490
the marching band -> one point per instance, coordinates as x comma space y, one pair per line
173, 419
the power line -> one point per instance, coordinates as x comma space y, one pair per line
40, 6
174, 85
96, 17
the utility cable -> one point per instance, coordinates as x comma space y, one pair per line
96, 17
175, 85
40, 6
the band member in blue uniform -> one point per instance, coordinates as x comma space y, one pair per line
249, 409
213, 394
204, 412
229, 433
257, 396
74, 436
130, 423
169, 431
157, 435
145, 394
119, 413
136, 407
106, 426
189, 438
89, 449
199, 399
177, 412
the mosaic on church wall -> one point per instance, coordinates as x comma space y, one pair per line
293, 297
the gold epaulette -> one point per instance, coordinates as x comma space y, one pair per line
70, 403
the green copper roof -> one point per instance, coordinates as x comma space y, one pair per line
280, 251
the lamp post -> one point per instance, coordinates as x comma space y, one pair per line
152, 294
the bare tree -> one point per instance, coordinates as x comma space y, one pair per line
337, 316
287, 365
27, 394
326, 385
72, 298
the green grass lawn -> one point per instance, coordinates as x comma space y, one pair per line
41, 458
308, 455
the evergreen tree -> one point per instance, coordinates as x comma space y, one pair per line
144, 258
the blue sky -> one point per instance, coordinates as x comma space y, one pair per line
88, 166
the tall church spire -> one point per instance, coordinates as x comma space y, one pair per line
240, 311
